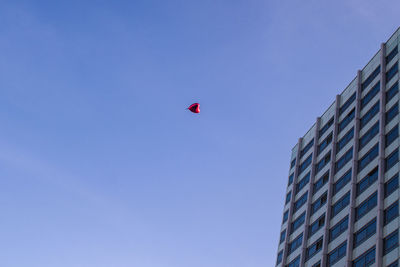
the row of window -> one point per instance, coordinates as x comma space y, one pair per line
392, 72
391, 54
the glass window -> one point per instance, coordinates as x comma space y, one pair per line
305, 164
325, 143
391, 160
298, 222
293, 163
371, 133
366, 259
315, 226
371, 94
283, 235
391, 135
369, 115
366, 206
291, 179
392, 185
306, 148
318, 203
288, 197
337, 254
344, 140
279, 258
314, 248
391, 55
326, 127
347, 104
371, 77
321, 182
370, 156
322, 163
364, 233
391, 213
296, 243
391, 113
295, 262
367, 181
338, 229
390, 242
343, 160
392, 92
341, 182
393, 264
340, 204
392, 72
303, 182
285, 216
300, 202
346, 120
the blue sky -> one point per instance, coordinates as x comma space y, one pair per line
102, 166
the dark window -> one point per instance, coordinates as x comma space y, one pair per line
371, 133
347, 104
344, 140
320, 182
390, 73
326, 127
392, 92
322, 163
318, 203
369, 115
298, 222
306, 148
366, 259
391, 160
295, 243
300, 202
285, 216
338, 229
344, 159
392, 185
293, 163
391, 242
283, 235
340, 204
318, 264
295, 262
279, 258
367, 181
391, 113
288, 197
364, 233
291, 179
368, 157
391, 136
303, 182
366, 206
342, 182
391, 55
346, 120
314, 248
325, 143
391, 213
371, 77
373, 92
393, 264
337, 254
305, 164
315, 226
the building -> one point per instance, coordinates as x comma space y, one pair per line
342, 201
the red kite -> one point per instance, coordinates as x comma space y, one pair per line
195, 108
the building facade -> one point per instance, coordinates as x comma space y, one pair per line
342, 200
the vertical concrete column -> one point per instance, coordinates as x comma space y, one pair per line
330, 187
310, 192
295, 178
354, 173
381, 171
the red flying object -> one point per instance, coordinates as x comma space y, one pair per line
195, 108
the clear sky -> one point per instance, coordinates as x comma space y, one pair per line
102, 166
